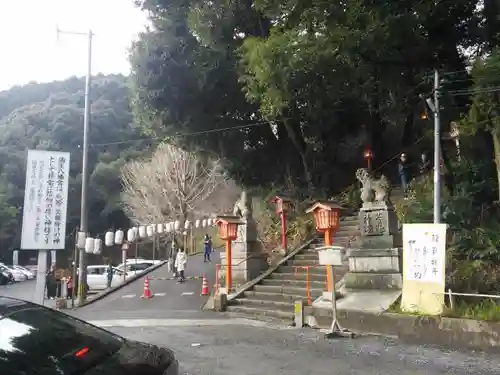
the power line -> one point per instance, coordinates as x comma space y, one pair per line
178, 135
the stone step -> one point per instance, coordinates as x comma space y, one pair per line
314, 284
290, 290
348, 218
260, 312
285, 305
289, 268
303, 262
311, 255
297, 276
279, 297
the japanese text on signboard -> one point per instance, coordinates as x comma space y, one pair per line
44, 213
426, 257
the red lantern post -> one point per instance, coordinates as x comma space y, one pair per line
282, 206
327, 218
228, 231
368, 155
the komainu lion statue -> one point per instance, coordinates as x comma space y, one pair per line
373, 189
243, 206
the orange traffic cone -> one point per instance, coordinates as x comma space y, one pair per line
204, 287
147, 291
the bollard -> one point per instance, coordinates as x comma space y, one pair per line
298, 313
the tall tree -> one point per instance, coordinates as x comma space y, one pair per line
172, 184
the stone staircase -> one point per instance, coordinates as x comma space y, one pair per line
274, 296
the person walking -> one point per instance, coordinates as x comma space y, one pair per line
180, 264
173, 256
109, 273
207, 247
403, 171
50, 282
69, 288
425, 165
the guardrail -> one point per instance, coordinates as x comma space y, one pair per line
308, 279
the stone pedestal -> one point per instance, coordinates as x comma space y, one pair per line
375, 266
374, 269
378, 225
248, 259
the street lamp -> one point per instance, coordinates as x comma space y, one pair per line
228, 231
327, 218
282, 206
82, 270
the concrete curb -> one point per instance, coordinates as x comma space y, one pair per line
269, 271
109, 291
453, 333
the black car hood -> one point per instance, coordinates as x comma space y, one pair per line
135, 358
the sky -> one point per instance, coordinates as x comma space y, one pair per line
31, 50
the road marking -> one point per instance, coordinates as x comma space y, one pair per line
129, 296
160, 294
136, 323
187, 293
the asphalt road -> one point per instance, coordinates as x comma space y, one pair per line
24, 290
170, 300
255, 350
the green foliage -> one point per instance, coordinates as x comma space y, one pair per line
316, 81
473, 225
50, 116
299, 224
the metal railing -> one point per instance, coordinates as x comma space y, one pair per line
308, 279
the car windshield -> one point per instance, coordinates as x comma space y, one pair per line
38, 341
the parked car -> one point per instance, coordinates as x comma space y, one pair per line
17, 275
97, 277
7, 274
3, 279
30, 275
38, 340
137, 267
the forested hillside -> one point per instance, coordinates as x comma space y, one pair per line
50, 116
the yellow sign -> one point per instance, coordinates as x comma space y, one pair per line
424, 264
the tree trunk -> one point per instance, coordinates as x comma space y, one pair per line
496, 144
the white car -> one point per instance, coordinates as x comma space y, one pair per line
29, 274
97, 277
18, 275
133, 268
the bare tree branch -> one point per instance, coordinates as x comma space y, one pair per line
172, 184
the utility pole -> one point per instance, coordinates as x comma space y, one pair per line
437, 151
82, 270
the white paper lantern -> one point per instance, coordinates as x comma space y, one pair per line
136, 231
187, 225
142, 231
149, 230
197, 223
167, 228
131, 235
119, 237
109, 239
80, 240
159, 228
97, 245
209, 222
204, 223
177, 225
89, 245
